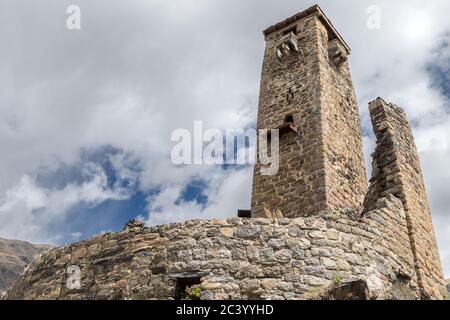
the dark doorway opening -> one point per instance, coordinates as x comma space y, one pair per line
182, 288
244, 213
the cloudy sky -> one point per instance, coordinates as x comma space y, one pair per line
86, 115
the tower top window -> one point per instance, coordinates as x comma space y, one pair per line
289, 119
287, 45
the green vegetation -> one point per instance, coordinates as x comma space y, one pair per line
164, 230
337, 280
192, 294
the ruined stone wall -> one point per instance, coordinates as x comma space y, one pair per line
397, 172
232, 259
321, 165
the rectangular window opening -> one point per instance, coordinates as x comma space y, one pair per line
183, 289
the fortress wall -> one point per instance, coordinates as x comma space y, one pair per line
397, 172
232, 259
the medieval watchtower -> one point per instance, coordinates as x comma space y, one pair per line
307, 92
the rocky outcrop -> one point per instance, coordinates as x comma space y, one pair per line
14, 257
448, 286
134, 225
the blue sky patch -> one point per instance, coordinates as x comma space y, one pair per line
193, 192
110, 215
439, 69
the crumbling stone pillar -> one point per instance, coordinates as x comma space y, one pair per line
396, 171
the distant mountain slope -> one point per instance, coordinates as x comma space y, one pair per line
14, 257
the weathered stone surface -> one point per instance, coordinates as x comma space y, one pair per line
134, 225
239, 265
227, 232
248, 232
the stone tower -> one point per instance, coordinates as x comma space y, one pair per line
307, 92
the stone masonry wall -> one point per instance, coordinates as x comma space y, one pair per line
346, 179
397, 171
233, 259
321, 165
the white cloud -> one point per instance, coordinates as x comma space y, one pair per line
76, 235
28, 209
227, 191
